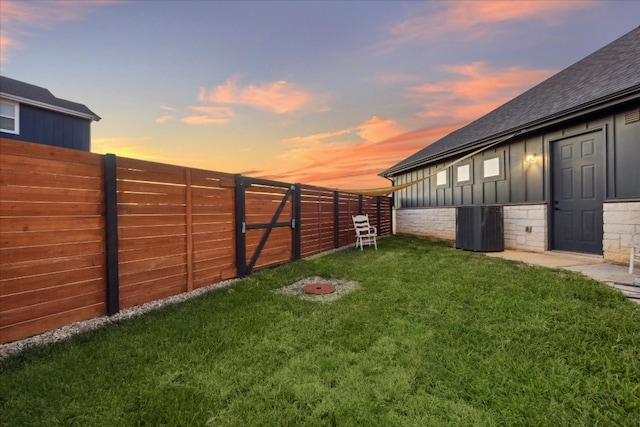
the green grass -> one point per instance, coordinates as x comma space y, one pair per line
432, 337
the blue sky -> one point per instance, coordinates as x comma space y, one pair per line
328, 93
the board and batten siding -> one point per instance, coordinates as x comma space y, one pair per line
527, 182
521, 181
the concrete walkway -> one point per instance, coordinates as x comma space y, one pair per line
594, 266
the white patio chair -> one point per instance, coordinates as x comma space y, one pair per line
365, 233
635, 251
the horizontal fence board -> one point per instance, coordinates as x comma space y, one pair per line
220, 263
139, 187
156, 293
211, 248
145, 266
35, 267
222, 208
14, 208
141, 278
49, 307
32, 282
42, 253
27, 179
46, 238
39, 194
42, 324
201, 178
50, 223
143, 209
153, 230
139, 177
176, 282
213, 229
148, 253
152, 199
40, 151
46, 166
149, 242
211, 193
38, 296
150, 220
143, 170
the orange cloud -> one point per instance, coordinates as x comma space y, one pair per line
330, 160
478, 18
476, 90
378, 129
19, 18
164, 119
213, 115
279, 97
132, 147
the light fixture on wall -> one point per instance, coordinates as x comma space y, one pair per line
530, 157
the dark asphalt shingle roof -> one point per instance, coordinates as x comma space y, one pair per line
28, 93
602, 76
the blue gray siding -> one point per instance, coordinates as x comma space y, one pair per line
52, 128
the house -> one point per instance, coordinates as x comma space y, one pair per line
32, 113
563, 159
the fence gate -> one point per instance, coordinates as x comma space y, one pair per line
267, 224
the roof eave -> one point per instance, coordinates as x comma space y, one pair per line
612, 100
44, 105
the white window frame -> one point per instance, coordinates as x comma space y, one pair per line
16, 118
495, 166
460, 178
441, 176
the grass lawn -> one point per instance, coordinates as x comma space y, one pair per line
431, 337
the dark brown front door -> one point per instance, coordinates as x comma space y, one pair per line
578, 187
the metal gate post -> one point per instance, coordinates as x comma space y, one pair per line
336, 219
241, 259
111, 233
297, 225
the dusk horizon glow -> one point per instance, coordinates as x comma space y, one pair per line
321, 93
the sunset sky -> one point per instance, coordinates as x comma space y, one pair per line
327, 93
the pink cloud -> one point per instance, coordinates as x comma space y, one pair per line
475, 89
19, 18
478, 18
279, 97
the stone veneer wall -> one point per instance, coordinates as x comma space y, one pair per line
621, 221
441, 223
432, 222
516, 235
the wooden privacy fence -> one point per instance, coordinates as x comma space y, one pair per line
84, 235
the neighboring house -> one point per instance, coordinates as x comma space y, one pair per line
31, 113
563, 159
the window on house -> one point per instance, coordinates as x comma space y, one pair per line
9, 117
463, 174
441, 179
493, 169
